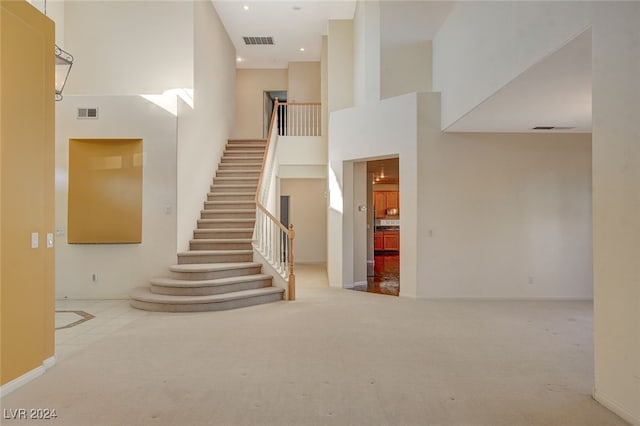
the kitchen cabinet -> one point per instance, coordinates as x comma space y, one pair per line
391, 240
380, 202
378, 241
384, 200
386, 241
393, 200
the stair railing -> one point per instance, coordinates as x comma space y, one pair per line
299, 119
272, 239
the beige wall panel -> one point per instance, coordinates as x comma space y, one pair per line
105, 191
27, 116
250, 87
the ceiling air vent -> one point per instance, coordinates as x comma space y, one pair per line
88, 113
251, 41
552, 128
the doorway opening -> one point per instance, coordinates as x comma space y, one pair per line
269, 100
383, 227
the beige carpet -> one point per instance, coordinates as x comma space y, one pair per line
334, 357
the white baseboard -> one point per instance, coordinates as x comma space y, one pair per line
49, 362
613, 406
18, 382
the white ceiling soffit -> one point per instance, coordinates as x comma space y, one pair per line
408, 21
294, 25
554, 92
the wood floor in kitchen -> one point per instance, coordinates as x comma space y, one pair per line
386, 279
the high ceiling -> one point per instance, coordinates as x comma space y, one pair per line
294, 25
554, 92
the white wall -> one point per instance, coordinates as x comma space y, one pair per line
129, 48
503, 215
250, 87
324, 90
359, 222
301, 150
302, 157
382, 129
307, 208
340, 65
484, 45
119, 267
616, 206
366, 52
304, 82
203, 131
405, 68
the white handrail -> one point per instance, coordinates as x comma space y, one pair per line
272, 239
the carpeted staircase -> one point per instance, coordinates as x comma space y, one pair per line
218, 271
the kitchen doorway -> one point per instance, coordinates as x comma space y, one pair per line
383, 227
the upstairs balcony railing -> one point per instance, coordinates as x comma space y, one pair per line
298, 119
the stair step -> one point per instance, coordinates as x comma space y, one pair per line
233, 187
207, 234
215, 256
212, 271
232, 180
231, 196
230, 204
243, 152
245, 159
221, 244
228, 214
226, 223
245, 147
143, 298
241, 166
248, 140
239, 172
177, 287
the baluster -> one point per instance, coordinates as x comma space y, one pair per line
292, 276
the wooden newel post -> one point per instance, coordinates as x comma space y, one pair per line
292, 278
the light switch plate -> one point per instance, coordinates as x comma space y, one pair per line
49, 240
35, 240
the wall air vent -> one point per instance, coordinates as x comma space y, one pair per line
553, 128
90, 113
252, 41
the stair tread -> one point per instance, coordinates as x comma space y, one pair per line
144, 294
226, 220
173, 282
232, 185
229, 194
225, 178
212, 267
228, 202
221, 240
228, 210
212, 252
222, 230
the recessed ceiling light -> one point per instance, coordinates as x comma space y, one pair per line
239, 59
302, 49
245, 7
296, 8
